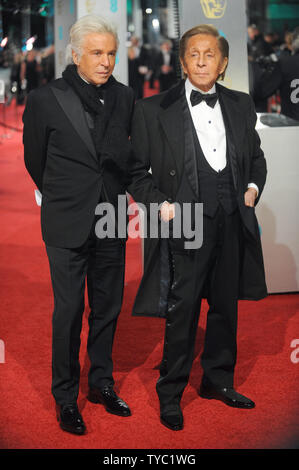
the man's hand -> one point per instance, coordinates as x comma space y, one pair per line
167, 211
250, 197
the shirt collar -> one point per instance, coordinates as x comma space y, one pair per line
189, 87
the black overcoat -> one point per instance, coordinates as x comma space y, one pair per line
159, 145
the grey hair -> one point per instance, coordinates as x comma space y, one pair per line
85, 25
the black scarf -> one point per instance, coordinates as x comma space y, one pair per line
90, 96
110, 139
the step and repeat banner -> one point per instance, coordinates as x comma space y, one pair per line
68, 11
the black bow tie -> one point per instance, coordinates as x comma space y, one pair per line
197, 97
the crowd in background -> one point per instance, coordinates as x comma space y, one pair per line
152, 64
29, 70
273, 66
274, 70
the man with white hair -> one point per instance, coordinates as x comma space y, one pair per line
76, 150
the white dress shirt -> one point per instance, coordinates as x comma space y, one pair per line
210, 129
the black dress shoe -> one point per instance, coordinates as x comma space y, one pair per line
172, 418
228, 395
107, 397
70, 419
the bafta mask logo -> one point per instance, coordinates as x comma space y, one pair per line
89, 5
213, 8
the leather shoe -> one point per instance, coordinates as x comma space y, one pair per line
107, 397
70, 419
227, 395
172, 418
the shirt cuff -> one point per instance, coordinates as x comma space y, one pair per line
252, 185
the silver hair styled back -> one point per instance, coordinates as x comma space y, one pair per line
85, 25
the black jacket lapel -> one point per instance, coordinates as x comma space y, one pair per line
175, 120
190, 159
71, 105
234, 125
171, 119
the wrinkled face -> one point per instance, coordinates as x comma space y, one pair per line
97, 59
203, 62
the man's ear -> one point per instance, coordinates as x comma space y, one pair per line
223, 65
183, 65
75, 57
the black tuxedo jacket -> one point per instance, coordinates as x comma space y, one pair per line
61, 158
160, 141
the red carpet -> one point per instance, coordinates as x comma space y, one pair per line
264, 371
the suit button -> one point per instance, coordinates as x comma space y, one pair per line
172, 173
169, 199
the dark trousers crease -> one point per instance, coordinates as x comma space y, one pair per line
102, 263
215, 264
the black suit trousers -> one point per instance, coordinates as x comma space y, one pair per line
215, 268
102, 263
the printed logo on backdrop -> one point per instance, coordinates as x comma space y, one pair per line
58, 7
113, 6
213, 8
72, 7
60, 32
89, 5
